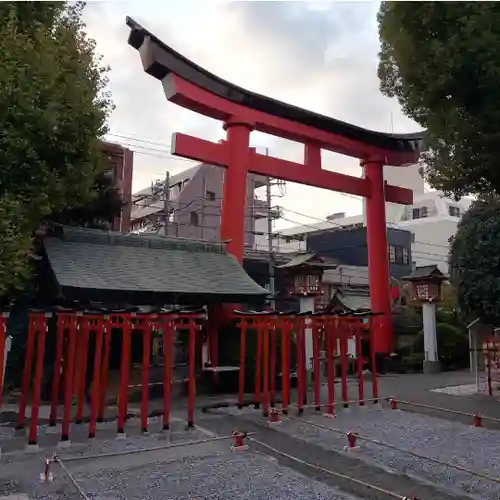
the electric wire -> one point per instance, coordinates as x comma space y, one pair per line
330, 472
397, 448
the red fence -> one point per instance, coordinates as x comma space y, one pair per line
330, 334
304, 334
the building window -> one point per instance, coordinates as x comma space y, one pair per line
406, 258
454, 211
194, 219
398, 254
419, 213
392, 254
210, 195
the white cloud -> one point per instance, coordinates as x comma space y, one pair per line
318, 55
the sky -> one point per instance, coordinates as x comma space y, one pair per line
317, 55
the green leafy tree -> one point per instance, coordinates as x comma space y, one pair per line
99, 212
441, 60
475, 261
53, 110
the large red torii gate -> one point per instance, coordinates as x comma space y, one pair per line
242, 111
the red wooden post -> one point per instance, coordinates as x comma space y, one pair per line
258, 362
272, 385
213, 322
359, 361
239, 443
192, 371
83, 352
124, 372
304, 361
316, 366
94, 405
373, 361
69, 370
330, 366
478, 420
56, 381
243, 347
28, 362
343, 332
285, 364
167, 332
41, 322
3, 336
265, 371
351, 440
488, 371
105, 368
299, 339
146, 354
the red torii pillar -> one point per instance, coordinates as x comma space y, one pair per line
378, 258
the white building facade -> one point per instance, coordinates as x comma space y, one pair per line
432, 219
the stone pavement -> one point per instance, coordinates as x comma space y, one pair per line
418, 388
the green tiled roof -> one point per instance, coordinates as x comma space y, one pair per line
88, 259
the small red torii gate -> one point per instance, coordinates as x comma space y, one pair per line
242, 112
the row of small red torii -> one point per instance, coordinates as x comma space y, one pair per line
72, 341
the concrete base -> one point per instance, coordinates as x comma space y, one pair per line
32, 448
431, 367
239, 448
350, 449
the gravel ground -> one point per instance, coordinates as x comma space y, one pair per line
177, 433
473, 448
197, 472
228, 476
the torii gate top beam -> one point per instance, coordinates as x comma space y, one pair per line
185, 81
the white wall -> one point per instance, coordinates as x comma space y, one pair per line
431, 243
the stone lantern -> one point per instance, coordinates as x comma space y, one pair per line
426, 283
305, 273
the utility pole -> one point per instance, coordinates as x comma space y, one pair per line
166, 202
270, 243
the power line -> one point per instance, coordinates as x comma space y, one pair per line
182, 209
344, 226
363, 246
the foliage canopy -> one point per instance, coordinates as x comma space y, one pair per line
53, 110
474, 261
441, 60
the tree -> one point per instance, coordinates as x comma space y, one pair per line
453, 346
474, 261
441, 60
99, 212
53, 110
